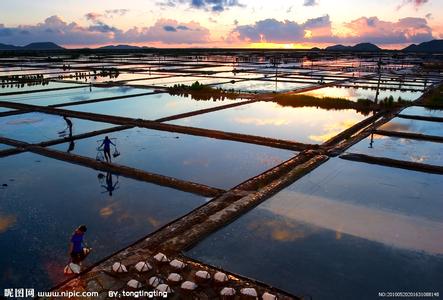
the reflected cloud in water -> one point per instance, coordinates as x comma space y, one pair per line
403, 231
6, 222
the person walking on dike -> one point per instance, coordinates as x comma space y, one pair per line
107, 148
77, 250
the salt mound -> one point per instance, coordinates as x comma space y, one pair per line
119, 268
143, 266
134, 284
188, 285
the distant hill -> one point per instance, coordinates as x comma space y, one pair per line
364, 47
31, 47
338, 48
8, 47
119, 47
431, 46
42, 46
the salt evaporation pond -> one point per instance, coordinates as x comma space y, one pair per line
354, 94
10, 88
269, 119
423, 111
401, 149
213, 162
345, 228
46, 199
4, 147
73, 95
38, 127
261, 86
414, 126
150, 107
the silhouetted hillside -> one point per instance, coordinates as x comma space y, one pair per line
431, 46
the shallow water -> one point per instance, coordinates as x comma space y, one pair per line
301, 124
343, 230
3, 146
354, 94
213, 162
65, 96
414, 126
423, 111
262, 86
38, 127
150, 107
46, 199
402, 149
25, 88
4, 109
170, 81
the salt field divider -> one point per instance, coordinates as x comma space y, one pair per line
421, 118
402, 164
410, 135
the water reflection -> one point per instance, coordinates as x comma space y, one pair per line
6, 222
269, 119
372, 224
174, 155
38, 127
345, 228
414, 126
357, 93
400, 148
47, 199
108, 183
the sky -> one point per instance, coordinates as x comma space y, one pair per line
221, 23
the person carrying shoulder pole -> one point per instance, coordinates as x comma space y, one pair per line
107, 148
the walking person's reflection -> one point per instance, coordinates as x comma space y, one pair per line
109, 185
69, 124
71, 146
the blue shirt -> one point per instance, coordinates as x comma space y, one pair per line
107, 144
77, 240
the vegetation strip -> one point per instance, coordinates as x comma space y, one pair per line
383, 161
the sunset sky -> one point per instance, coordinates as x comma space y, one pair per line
221, 23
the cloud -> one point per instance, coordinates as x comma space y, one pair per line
272, 30
169, 28
116, 12
56, 30
415, 3
93, 16
310, 3
406, 30
319, 30
208, 5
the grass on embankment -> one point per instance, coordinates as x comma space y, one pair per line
200, 91
434, 98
